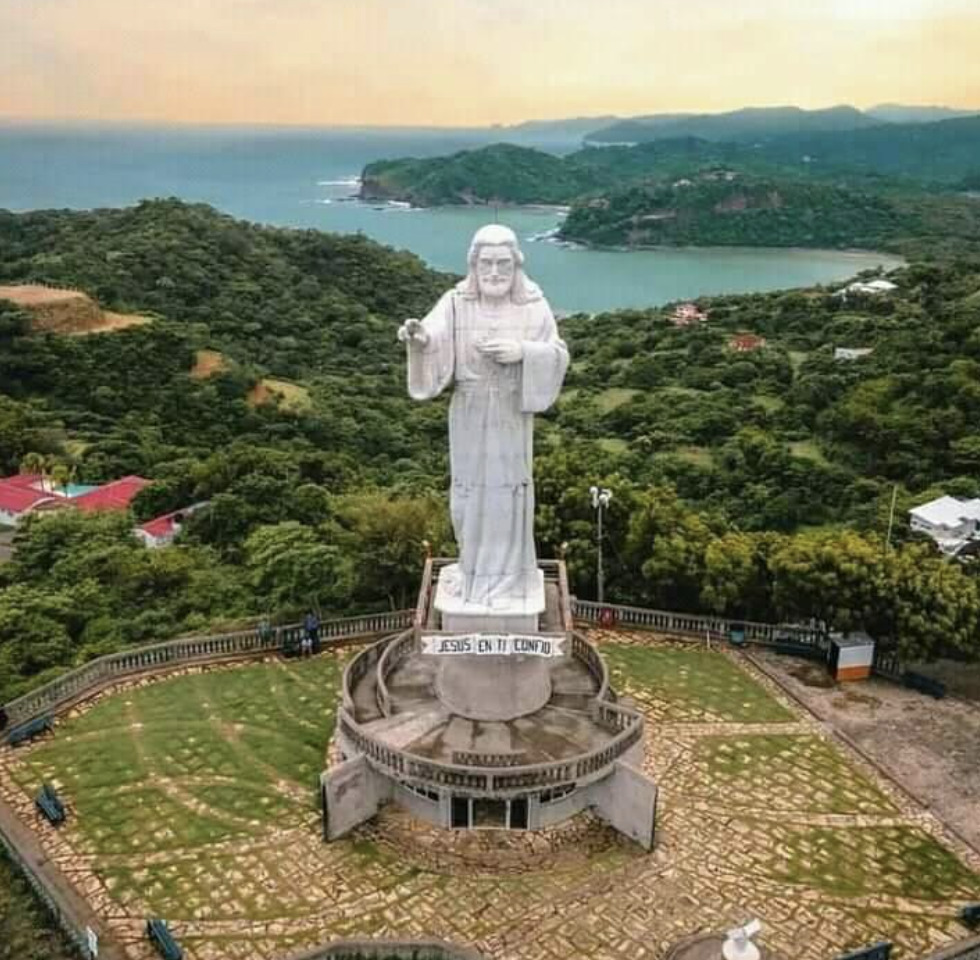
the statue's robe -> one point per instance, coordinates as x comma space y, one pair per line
491, 427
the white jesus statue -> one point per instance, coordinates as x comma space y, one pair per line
493, 337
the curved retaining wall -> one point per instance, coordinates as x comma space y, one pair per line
389, 950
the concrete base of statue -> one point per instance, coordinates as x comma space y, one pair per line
493, 688
515, 615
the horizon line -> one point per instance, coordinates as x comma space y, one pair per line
8, 120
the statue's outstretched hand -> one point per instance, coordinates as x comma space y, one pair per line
413, 333
503, 351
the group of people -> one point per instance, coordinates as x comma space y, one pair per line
309, 641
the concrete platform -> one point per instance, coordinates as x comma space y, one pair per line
561, 727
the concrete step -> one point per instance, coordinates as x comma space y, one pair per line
404, 728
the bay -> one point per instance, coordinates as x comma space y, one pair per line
303, 177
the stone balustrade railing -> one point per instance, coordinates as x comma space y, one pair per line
105, 670
583, 651
697, 625
395, 652
489, 780
483, 777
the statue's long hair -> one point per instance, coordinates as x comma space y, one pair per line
525, 290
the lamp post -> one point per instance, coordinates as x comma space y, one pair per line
600, 498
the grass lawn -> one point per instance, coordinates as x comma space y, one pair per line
797, 358
787, 772
614, 397
768, 403
194, 760
614, 445
808, 450
699, 456
900, 861
690, 683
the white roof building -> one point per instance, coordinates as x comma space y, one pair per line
851, 353
874, 287
951, 522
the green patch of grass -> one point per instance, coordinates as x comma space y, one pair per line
898, 861
808, 450
614, 397
768, 403
614, 445
797, 358
195, 760
799, 771
699, 456
692, 683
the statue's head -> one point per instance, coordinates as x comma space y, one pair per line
495, 267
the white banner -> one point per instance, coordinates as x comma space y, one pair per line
493, 644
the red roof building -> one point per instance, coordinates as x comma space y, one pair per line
687, 315
117, 495
21, 494
160, 531
746, 342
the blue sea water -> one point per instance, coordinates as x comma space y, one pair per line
303, 177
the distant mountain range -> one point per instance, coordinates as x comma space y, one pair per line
764, 123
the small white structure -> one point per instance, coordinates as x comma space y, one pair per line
738, 943
851, 353
874, 288
949, 521
851, 656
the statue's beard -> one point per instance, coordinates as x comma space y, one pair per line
497, 289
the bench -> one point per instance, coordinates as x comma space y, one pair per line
50, 805
970, 915
877, 951
794, 648
161, 938
29, 730
924, 684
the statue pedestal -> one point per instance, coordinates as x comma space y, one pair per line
517, 615
493, 688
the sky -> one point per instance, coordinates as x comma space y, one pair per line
474, 62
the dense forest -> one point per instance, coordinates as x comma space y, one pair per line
751, 484
689, 191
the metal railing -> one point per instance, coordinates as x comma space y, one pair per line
104, 670
698, 625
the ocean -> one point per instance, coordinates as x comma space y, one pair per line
305, 177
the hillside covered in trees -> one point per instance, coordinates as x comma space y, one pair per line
904, 188
752, 484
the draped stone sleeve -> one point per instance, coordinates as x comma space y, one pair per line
430, 368
544, 364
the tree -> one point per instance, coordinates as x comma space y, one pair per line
385, 537
293, 568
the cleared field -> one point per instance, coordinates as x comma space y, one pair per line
291, 396
207, 363
808, 450
614, 397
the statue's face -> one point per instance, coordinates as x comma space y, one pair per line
495, 271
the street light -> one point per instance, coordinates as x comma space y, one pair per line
600, 498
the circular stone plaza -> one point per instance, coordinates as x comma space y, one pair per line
186, 773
